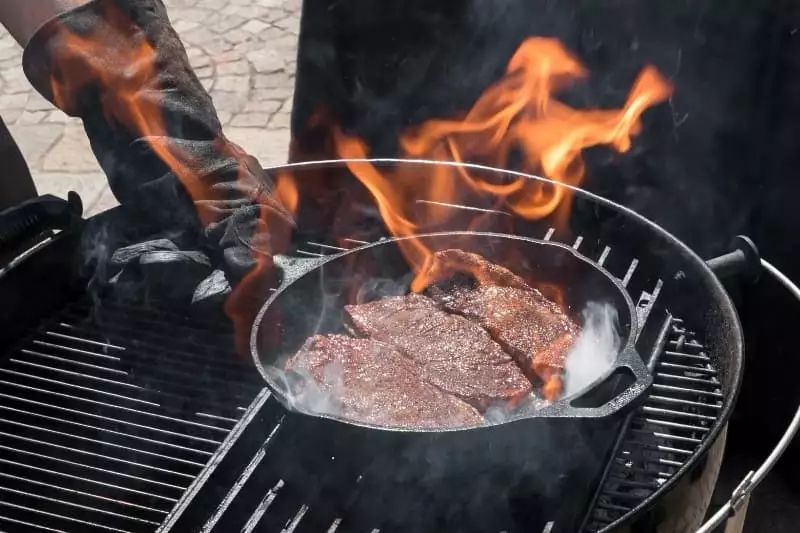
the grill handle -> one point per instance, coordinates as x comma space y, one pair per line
741, 495
743, 261
21, 224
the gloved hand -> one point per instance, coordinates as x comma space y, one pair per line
120, 66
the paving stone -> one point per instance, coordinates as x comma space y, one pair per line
280, 92
13, 101
255, 26
8, 53
58, 117
71, 153
262, 106
231, 102
212, 5
280, 121
266, 61
204, 72
234, 67
201, 16
184, 26
224, 117
217, 46
232, 83
31, 117
248, 12
16, 86
227, 57
11, 116
286, 45
273, 80
251, 119
104, 201
270, 147
89, 186
37, 103
199, 36
249, 45
228, 23
290, 24
34, 140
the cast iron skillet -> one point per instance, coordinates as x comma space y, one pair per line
314, 291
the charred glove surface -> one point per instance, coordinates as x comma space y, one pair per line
121, 68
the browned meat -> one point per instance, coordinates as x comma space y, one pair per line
372, 382
454, 354
447, 263
527, 325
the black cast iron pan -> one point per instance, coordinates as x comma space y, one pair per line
314, 291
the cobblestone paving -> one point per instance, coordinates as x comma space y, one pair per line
244, 51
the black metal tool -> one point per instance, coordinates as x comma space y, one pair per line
23, 223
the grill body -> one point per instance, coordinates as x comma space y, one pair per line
108, 411
264, 470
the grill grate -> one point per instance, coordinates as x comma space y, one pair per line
685, 401
107, 418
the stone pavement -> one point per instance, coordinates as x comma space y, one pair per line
244, 51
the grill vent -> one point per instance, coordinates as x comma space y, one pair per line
683, 406
105, 422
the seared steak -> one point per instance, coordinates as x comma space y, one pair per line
448, 263
527, 325
371, 382
453, 353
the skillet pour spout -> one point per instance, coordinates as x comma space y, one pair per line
313, 293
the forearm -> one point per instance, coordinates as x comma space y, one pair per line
22, 17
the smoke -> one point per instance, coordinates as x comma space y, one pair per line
595, 351
303, 393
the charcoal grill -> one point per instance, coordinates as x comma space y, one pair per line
108, 424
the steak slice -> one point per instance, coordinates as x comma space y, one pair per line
453, 353
527, 325
448, 263
371, 382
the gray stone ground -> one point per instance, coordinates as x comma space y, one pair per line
244, 51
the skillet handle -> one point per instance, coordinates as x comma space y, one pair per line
628, 361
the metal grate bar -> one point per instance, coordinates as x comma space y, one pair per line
262, 507
102, 429
660, 438
81, 466
106, 425
38, 511
90, 481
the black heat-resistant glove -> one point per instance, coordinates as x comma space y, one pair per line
120, 66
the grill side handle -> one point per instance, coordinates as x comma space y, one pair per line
743, 261
21, 224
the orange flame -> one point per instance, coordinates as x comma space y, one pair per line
287, 192
122, 65
518, 114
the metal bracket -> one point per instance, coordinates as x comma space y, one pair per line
741, 492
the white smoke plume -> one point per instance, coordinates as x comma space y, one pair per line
596, 348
